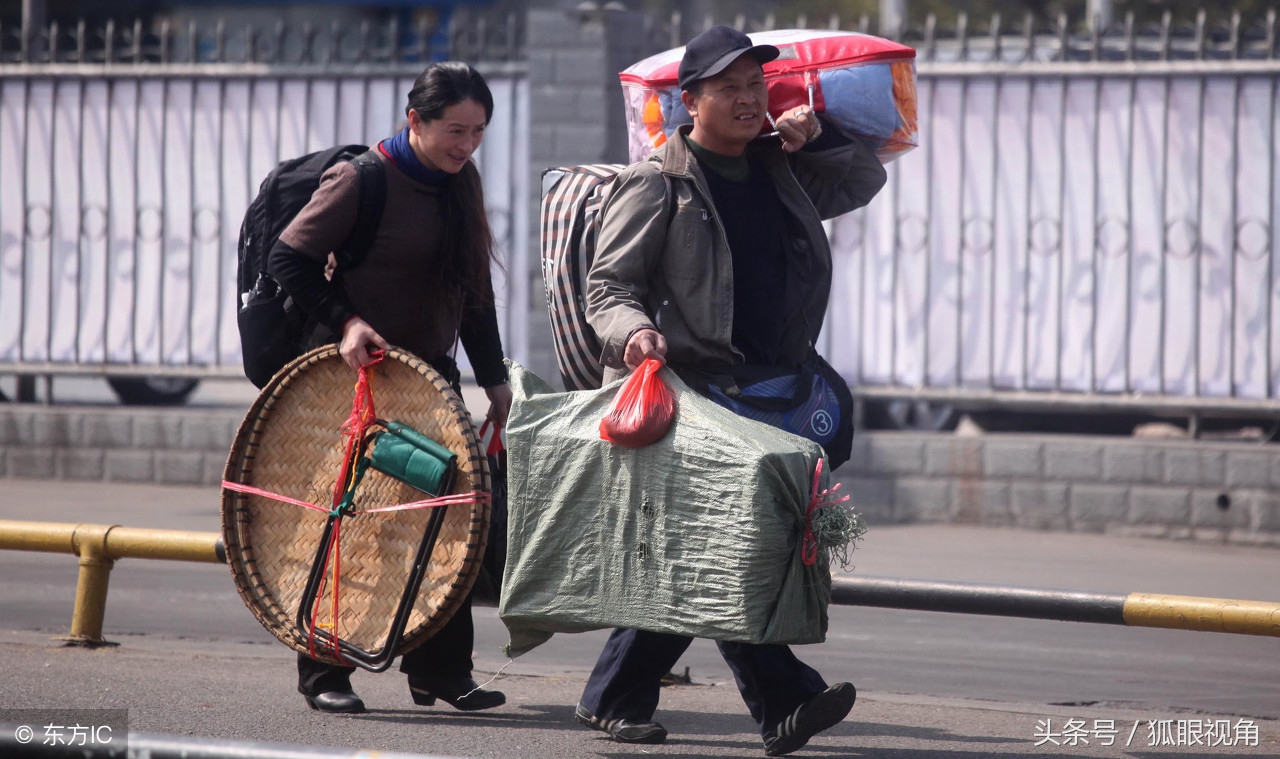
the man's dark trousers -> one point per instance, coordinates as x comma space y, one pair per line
444, 656
628, 676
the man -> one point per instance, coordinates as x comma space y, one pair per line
712, 254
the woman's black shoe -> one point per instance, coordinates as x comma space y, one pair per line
336, 702
463, 694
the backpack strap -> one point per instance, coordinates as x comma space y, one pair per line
373, 199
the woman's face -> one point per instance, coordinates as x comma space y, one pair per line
446, 143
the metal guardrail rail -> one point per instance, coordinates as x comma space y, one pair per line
1131, 609
98, 546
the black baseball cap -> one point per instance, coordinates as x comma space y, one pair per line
712, 51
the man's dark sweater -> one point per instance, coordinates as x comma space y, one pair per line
755, 226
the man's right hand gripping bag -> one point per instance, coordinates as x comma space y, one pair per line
697, 534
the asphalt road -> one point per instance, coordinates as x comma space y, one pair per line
906, 664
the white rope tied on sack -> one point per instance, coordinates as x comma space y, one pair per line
774, 122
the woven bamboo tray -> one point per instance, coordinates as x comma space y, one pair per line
289, 443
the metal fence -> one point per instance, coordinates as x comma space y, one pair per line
1088, 221
1089, 218
126, 175
1029, 38
1075, 233
340, 42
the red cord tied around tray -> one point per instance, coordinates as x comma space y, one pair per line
353, 432
354, 435
818, 499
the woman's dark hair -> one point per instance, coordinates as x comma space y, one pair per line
467, 236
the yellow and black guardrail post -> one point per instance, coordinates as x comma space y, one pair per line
98, 546
1132, 609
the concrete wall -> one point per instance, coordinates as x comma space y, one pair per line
1199, 490
1225, 492
167, 446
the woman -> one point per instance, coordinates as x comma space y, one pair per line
423, 285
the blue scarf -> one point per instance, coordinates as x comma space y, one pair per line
397, 148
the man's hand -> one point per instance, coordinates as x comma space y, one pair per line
357, 338
797, 127
646, 343
499, 404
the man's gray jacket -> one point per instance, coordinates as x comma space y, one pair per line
663, 262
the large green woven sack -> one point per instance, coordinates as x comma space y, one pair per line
698, 534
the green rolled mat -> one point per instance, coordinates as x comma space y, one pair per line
411, 457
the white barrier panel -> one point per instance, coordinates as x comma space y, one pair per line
1061, 230
1079, 233
123, 198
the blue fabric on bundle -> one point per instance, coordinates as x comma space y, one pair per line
860, 100
673, 111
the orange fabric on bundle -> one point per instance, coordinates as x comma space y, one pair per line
642, 410
652, 120
904, 95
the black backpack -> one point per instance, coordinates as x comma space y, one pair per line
273, 330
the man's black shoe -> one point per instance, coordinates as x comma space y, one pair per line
336, 702
622, 730
812, 717
462, 694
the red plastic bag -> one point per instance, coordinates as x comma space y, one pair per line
643, 409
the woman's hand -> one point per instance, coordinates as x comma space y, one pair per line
357, 339
647, 343
797, 127
499, 404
